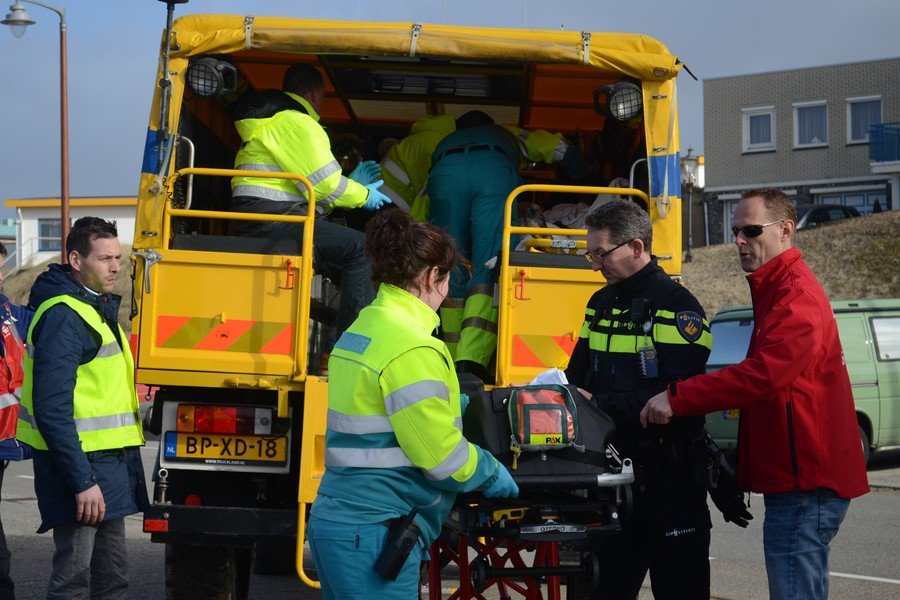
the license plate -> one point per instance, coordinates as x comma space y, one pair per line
731, 414
214, 449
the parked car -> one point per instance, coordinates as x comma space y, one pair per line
814, 215
870, 335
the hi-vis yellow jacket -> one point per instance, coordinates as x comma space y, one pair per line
105, 403
394, 439
293, 142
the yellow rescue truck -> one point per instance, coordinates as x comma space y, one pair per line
222, 329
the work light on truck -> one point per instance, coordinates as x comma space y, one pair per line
621, 101
236, 420
209, 77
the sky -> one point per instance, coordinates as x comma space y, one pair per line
113, 44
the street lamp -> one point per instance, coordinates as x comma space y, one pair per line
688, 177
18, 20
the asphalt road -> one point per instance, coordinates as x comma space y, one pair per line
864, 560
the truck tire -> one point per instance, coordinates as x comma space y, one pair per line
866, 446
207, 572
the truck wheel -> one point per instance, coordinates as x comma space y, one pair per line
207, 572
866, 445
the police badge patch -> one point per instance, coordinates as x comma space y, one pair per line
690, 325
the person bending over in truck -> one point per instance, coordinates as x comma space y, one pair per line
641, 331
799, 441
281, 132
79, 411
393, 446
406, 163
473, 171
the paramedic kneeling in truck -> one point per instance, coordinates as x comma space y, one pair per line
395, 455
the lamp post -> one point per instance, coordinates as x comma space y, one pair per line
18, 20
688, 176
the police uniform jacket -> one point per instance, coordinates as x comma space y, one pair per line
622, 321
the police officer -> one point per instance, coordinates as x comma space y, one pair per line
641, 332
394, 441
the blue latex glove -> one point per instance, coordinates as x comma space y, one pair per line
366, 172
463, 403
503, 486
376, 199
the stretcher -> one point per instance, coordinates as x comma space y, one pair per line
529, 546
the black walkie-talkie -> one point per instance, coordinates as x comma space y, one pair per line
401, 539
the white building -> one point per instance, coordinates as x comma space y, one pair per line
38, 229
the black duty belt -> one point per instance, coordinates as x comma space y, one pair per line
474, 148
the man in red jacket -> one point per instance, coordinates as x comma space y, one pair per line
798, 438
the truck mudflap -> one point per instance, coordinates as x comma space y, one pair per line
222, 525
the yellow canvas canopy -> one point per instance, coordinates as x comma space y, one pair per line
381, 77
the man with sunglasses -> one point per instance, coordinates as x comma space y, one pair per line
642, 331
798, 442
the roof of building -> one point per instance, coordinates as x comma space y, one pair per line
82, 201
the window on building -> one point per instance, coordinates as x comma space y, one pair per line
862, 113
49, 232
810, 124
759, 128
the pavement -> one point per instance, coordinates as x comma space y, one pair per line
884, 469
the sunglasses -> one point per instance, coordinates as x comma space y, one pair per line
595, 256
752, 231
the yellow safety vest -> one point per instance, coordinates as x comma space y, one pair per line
105, 403
293, 142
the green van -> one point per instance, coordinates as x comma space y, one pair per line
870, 334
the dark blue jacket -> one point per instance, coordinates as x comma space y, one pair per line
62, 342
20, 318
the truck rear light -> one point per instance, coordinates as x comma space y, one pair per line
225, 419
235, 420
156, 525
192, 500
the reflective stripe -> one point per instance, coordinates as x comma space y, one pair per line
8, 399
107, 422
110, 349
480, 323
258, 167
394, 169
358, 425
395, 197
337, 193
26, 416
415, 392
371, 458
322, 173
453, 303
453, 463
87, 423
265, 193
450, 337
560, 151
523, 136
29, 349
482, 289
458, 423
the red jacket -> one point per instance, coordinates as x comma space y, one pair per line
11, 374
798, 429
